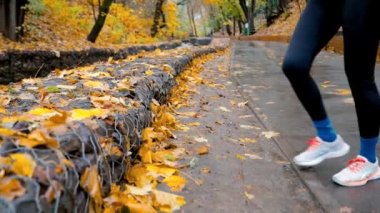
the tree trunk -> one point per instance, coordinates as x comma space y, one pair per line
11, 18
240, 25
104, 10
251, 15
228, 30
243, 5
234, 27
190, 14
156, 19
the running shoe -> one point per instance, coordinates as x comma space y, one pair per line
358, 172
319, 150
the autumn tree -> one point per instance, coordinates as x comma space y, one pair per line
99, 22
158, 13
274, 8
248, 8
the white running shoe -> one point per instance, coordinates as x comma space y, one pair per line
320, 150
358, 172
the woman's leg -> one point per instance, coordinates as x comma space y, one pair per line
319, 22
361, 21
361, 41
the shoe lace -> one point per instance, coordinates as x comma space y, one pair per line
313, 143
356, 164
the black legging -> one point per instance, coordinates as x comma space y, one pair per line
319, 22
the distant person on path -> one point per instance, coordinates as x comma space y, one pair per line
360, 20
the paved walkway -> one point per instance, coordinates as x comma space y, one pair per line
243, 172
256, 67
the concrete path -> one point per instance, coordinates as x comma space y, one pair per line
243, 171
256, 67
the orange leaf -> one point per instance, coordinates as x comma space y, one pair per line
202, 150
38, 137
10, 188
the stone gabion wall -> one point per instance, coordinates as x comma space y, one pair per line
16, 65
80, 141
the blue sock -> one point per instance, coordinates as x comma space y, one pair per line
325, 130
368, 148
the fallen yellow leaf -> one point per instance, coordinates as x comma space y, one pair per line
7, 132
43, 112
139, 176
160, 170
90, 183
202, 150
205, 170
10, 188
270, 134
3, 110
175, 182
149, 72
95, 84
247, 140
249, 196
194, 124
240, 157
343, 91
38, 137
80, 114
19, 163
145, 154
167, 202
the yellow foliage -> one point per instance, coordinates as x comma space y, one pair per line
64, 25
19, 163
80, 114
175, 182
91, 184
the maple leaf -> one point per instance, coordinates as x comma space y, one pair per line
89, 181
10, 188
